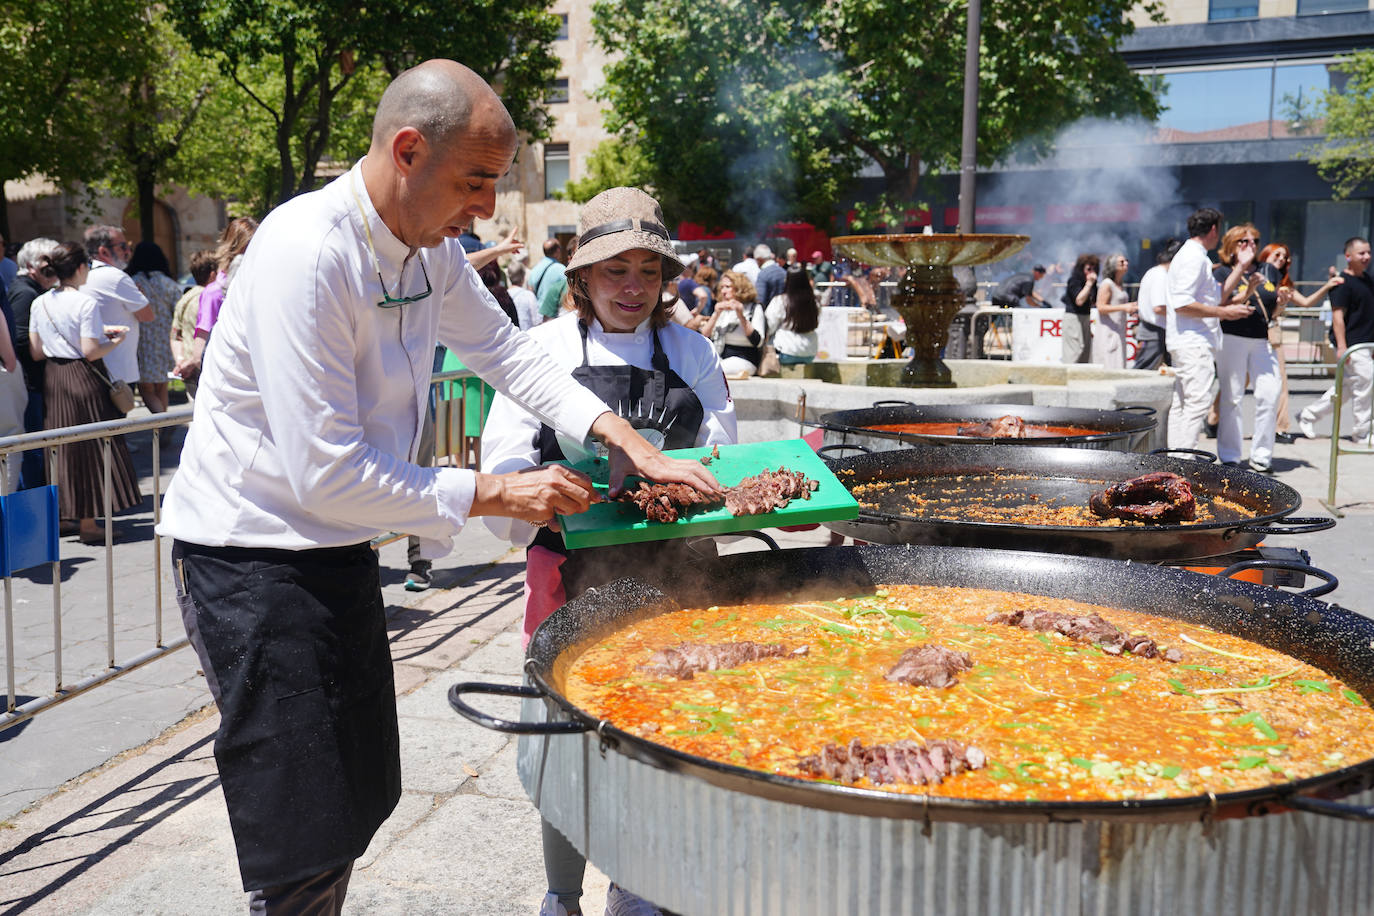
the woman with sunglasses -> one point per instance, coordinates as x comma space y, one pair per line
1245, 353
666, 379
1113, 305
1275, 260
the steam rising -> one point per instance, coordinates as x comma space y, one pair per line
1106, 167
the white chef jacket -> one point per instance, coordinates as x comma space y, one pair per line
118, 297
1190, 280
510, 439
308, 414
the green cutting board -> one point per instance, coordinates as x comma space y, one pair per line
619, 523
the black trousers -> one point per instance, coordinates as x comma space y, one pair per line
294, 646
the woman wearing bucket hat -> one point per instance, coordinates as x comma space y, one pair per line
665, 379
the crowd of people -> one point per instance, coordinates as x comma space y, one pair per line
84, 322
1217, 324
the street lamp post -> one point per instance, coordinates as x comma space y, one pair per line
968, 158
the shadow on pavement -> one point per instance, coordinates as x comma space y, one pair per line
118, 817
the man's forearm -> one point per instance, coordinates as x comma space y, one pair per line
1199, 310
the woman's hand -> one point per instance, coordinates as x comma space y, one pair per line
632, 452
115, 332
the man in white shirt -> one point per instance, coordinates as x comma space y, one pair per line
121, 304
306, 431
749, 265
1153, 299
1193, 332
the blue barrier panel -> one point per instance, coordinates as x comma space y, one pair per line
28, 529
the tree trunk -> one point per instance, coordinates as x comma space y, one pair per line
146, 205
4, 214
903, 178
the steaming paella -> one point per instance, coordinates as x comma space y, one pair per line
974, 693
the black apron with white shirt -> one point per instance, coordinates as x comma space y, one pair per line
294, 648
650, 399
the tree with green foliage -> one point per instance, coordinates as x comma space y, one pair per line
615, 163
58, 62
300, 63
1346, 158
148, 122
751, 110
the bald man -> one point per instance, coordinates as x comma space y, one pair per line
304, 447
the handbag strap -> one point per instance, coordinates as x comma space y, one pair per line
81, 356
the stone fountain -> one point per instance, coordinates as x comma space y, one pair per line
928, 296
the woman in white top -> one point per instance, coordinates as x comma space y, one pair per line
793, 317
65, 329
1113, 305
737, 325
664, 378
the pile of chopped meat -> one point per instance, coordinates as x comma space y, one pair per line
929, 666
667, 502
899, 762
1007, 427
1090, 628
1155, 497
768, 491
683, 661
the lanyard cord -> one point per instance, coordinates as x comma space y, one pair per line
367, 231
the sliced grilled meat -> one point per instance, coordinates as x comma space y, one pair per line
1089, 628
907, 762
929, 666
684, 660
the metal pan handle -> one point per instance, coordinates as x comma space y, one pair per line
1145, 410
850, 445
1291, 526
1195, 453
757, 535
1326, 588
455, 699
894, 403
1328, 808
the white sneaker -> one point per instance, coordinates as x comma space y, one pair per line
620, 902
552, 907
1305, 427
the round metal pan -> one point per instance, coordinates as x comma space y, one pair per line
1334, 639
1060, 476
1126, 429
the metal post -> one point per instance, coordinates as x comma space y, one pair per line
1336, 450
105, 452
56, 591
968, 157
157, 539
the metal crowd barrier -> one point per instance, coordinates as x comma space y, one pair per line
457, 415
1336, 449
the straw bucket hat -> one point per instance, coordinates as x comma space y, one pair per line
619, 220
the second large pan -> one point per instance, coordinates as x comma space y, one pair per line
1254, 506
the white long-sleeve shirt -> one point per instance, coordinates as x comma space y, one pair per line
308, 415
510, 439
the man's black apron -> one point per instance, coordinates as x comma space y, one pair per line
650, 399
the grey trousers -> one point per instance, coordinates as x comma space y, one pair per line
1076, 334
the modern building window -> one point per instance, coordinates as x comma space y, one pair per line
557, 167
1232, 9
562, 26
557, 93
1254, 101
1318, 7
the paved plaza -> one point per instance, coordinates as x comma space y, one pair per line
109, 804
